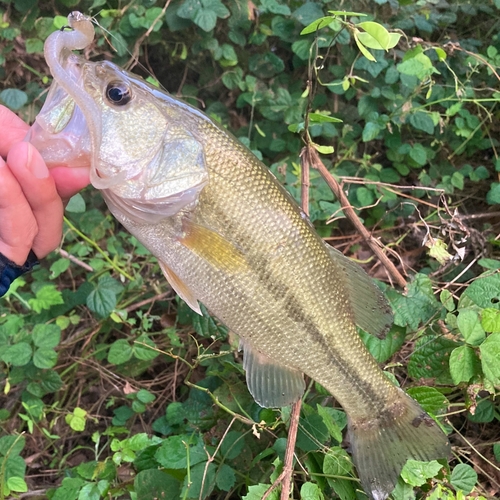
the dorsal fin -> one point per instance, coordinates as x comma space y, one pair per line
372, 312
272, 385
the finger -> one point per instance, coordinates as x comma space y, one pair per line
40, 191
13, 130
18, 226
70, 180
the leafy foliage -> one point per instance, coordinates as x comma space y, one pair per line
129, 393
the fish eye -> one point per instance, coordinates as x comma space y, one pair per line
118, 93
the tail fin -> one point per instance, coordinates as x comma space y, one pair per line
381, 446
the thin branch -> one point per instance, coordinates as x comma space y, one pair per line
374, 244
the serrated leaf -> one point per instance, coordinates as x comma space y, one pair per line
470, 327
142, 351
172, 454
464, 478
430, 358
120, 352
232, 445
310, 491
257, 491
416, 473
418, 153
225, 478
422, 121
45, 298
383, 349
46, 335
490, 354
153, 483
45, 357
103, 299
12, 445
484, 292
429, 398
17, 355
490, 320
464, 364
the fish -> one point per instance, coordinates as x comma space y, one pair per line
228, 235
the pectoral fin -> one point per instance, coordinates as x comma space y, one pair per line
181, 289
212, 247
372, 312
271, 385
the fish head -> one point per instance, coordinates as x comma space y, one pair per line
142, 151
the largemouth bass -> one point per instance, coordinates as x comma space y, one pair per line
228, 235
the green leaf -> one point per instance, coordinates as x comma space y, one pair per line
420, 66
331, 424
12, 445
464, 364
46, 335
470, 327
153, 483
120, 352
77, 419
490, 354
377, 33
17, 355
103, 299
310, 491
172, 454
145, 396
362, 48
493, 195
45, 298
69, 489
307, 13
225, 478
142, 351
430, 358
34, 45
17, 484
76, 204
422, 121
418, 153
490, 320
429, 398
464, 478
383, 349
317, 24
233, 445
416, 473
337, 462
45, 357
418, 306
13, 98
370, 131
484, 292
322, 118
59, 267
257, 491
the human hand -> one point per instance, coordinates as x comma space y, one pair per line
31, 197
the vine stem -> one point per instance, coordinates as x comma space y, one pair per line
314, 160
99, 249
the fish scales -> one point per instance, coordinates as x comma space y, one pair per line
228, 235
293, 292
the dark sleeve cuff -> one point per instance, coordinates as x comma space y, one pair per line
9, 271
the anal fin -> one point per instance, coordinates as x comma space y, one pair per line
272, 385
180, 288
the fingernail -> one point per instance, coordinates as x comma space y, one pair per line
35, 163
